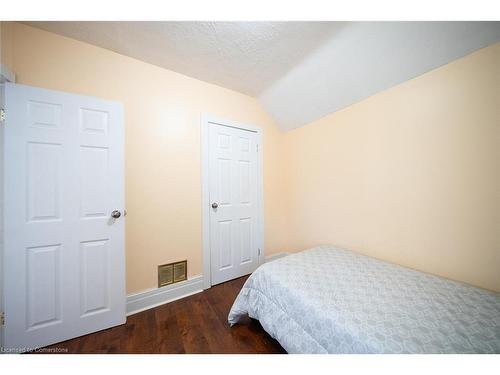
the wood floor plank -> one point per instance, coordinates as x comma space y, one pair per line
195, 324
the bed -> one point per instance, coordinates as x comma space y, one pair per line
330, 300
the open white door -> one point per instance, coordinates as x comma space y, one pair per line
235, 202
64, 252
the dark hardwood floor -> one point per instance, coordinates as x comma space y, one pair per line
195, 324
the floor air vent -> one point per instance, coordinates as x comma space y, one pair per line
172, 273
180, 271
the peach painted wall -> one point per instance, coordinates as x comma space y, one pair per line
162, 130
410, 175
6, 30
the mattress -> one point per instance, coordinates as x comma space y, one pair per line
330, 300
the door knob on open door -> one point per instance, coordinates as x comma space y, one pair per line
215, 205
116, 214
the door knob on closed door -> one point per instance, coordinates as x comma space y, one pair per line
116, 214
215, 205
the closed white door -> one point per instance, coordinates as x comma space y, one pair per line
64, 250
234, 202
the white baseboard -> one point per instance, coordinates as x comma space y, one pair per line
155, 297
272, 257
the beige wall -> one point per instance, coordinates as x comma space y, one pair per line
6, 30
410, 175
162, 130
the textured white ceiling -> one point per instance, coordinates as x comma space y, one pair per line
301, 71
365, 58
243, 56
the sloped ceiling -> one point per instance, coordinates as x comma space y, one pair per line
365, 58
243, 56
301, 71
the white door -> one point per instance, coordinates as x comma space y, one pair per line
64, 253
234, 202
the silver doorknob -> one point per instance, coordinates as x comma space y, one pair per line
215, 205
116, 214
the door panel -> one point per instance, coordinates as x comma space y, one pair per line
246, 240
44, 286
225, 245
44, 115
233, 186
94, 171
64, 255
94, 275
44, 179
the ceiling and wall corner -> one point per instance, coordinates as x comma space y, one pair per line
410, 175
242, 56
365, 58
300, 71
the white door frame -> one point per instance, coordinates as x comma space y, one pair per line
207, 119
5, 76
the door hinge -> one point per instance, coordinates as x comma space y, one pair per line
2, 115
2, 319
257, 147
259, 251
